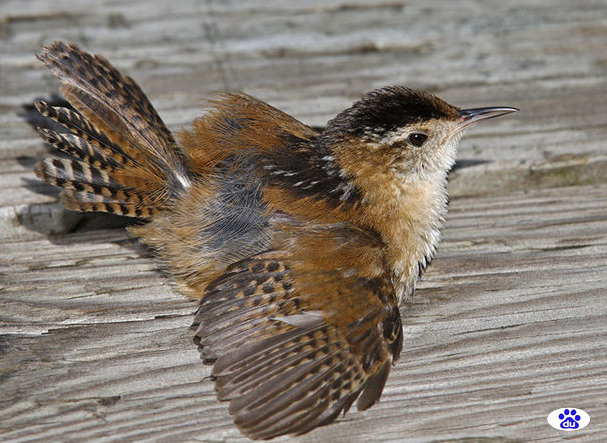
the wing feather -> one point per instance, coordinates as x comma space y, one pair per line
284, 362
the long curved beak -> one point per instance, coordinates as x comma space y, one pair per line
474, 115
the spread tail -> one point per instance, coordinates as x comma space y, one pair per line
124, 159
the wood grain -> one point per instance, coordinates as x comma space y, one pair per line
509, 322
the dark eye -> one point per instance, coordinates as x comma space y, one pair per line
417, 139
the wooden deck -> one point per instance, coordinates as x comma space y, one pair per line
510, 320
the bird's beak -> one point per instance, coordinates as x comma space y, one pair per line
474, 115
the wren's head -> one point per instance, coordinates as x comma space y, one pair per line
395, 147
408, 132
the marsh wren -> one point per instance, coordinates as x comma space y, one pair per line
299, 244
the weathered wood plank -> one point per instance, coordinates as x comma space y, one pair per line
508, 322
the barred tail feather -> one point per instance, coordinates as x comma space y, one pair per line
81, 149
88, 188
85, 131
91, 202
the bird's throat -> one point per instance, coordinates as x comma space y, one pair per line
408, 216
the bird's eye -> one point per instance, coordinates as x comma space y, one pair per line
417, 139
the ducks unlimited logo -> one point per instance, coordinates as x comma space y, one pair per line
568, 419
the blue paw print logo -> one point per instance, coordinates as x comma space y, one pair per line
568, 419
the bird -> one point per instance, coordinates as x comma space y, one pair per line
301, 244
